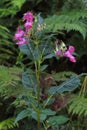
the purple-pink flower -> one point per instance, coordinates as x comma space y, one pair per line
29, 20
71, 49
28, 17
68, 53
20, 36
28, 25
20, 33
21, 42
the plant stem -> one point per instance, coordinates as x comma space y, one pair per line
38, 127
38, 90
38, 81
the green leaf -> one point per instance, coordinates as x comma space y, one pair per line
23, 114
48, 112
42, 116
31, 51
29, 80
43, 67
40, 19
66, 86
49, 56
27, 50
59, 120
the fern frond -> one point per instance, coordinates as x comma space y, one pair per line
7, 75
10, 82
18, 3
78, 105
62, 76
74, 4
8, 124
10, 7
74, 20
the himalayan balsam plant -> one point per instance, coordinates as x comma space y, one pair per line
42, 101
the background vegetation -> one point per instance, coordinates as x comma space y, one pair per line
68, 20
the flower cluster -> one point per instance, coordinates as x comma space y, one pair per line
22, 37
21, 34
28, 17
68, 53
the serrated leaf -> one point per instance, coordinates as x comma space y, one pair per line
66, 86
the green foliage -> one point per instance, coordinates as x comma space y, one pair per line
8, 124
18, 3
73, 4
9, 7
10, 85
8, 76
77, 103
23, 114
25, 88
29, 112
29, 80
57, 120
62, 76
37, 51
73, 20
44, 113
66, 86
78, 106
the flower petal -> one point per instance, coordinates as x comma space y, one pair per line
71, 49
28, 25
70, 56
21, 42
28, 16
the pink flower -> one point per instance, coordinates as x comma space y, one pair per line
28, 17
21, 42
68, 53
20, 33
20, 36
28, 25
70, 56
71, 49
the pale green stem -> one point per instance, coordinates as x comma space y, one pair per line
37, 67
38, 91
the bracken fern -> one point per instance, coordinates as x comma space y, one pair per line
73, 20
8, 124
